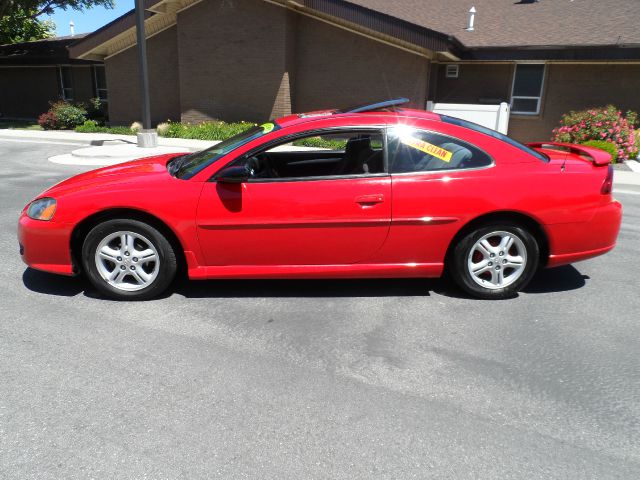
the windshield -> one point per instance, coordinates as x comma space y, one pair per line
492, 133
187, 166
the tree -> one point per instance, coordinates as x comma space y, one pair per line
21, 27
20, 22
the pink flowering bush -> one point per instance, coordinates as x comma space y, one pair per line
604, 124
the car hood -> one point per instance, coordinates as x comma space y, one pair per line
145, 169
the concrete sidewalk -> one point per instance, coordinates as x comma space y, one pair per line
99, 149
621, 177
97, 139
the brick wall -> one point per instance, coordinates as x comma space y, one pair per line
337, 68
250, 60
233, 60
123, 87
25, 92
476, 83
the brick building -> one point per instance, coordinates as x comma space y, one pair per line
257, 59
34, 73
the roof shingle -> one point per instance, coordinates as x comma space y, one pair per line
513, 23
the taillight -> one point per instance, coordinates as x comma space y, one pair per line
607, 185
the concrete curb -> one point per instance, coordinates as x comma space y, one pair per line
99, 139
111, 155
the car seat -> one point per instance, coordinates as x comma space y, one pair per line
356, 154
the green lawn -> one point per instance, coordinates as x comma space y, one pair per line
19, 124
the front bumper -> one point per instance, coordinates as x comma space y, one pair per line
46, 245
573, 242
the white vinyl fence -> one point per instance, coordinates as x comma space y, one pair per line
495, 117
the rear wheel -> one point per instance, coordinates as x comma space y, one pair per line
128, 260
495, 261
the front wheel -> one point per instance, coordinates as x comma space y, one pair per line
128, 260
495, 261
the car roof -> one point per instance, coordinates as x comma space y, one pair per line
394, 115
386, 110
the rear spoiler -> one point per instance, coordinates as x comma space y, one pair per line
595, 155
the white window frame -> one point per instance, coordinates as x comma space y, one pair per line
95, 84
63, 88
519, 97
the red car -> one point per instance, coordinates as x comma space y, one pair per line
373, 191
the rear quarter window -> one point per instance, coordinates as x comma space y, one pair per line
493, 133
412, 150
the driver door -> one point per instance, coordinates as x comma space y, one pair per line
329, 219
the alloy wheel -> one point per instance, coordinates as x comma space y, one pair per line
497, 260
127, 261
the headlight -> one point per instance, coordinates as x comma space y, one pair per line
42, 209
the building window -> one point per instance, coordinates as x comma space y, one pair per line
66, 83
100, 82
452, 71
526, 93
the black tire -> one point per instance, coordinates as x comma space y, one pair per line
162, 273
459, 268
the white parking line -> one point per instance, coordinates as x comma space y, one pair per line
38, 141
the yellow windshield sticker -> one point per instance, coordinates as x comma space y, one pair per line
267, 127
434, 150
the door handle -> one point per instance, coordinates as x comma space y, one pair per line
368, 200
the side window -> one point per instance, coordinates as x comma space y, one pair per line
66, 83
100, 82
528, 80
335, 153
421, 151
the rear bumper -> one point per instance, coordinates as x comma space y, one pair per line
573, 242
46, 245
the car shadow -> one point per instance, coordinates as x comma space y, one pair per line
552, 280
305, 288
100, 142
558, 279
51, 284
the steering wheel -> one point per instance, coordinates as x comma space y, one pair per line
259, 167
253, 167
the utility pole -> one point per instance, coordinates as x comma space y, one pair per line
147, 137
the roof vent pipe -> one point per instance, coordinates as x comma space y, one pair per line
472, 18
72, 28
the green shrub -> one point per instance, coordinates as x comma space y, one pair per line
119, 130
215, 130
608, 147
68, 115
48, 120
97, 110
162, 128
91, 126
319, 142
201, 131
604, 124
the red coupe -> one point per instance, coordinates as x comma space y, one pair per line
371, 191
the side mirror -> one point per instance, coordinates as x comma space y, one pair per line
233, 175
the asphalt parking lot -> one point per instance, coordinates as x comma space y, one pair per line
316, 379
